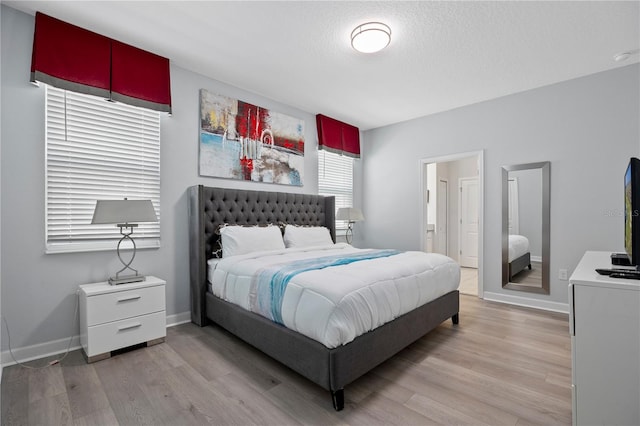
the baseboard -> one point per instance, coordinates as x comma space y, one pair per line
177, 319
527, 302
536, 259
55, 347
41, 350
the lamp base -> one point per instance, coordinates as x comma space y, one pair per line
349, 234
132, 278
126, 279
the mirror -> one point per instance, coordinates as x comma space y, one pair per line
525, 227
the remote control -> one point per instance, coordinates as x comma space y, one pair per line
627, 275
603, 271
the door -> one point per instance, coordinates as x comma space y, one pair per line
468, 231
442, 216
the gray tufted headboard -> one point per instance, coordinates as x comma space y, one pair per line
211, 207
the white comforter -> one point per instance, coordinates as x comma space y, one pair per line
336, 304
518, 245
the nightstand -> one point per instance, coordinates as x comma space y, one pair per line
118, 316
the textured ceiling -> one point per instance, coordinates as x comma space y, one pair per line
442, 55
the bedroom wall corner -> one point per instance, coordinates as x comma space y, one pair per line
573, 124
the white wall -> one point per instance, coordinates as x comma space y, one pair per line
38, 290
587, 128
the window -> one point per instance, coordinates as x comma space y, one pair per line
97, 150
335, 177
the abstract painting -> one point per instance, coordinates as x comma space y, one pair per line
242, 141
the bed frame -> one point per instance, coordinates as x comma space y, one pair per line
518, 264
332, 369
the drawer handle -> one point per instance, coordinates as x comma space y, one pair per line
126, 299
130, 326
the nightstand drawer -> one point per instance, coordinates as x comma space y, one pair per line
127, 332
107, 307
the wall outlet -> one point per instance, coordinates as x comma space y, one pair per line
562, 275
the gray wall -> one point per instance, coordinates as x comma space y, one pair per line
38, 291
587, 128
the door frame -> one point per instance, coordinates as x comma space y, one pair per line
423, 211
460, 180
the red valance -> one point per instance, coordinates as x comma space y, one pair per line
338, 137
70, 57
139, 77
73, 58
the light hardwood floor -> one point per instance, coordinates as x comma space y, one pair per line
468, 281
502, 365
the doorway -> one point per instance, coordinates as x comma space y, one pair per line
452, 215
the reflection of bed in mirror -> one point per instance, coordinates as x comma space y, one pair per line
519, 255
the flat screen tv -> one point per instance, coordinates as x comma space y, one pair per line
632, 211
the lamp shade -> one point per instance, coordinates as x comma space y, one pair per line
124, 211
350, 214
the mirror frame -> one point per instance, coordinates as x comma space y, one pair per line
545, 167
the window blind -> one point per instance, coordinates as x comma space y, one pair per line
97, 150
335, 177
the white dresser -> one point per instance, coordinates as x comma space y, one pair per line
605, 350
117, 316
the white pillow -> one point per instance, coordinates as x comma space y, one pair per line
306, 236
247, 239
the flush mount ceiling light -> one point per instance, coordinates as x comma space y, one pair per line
370, 37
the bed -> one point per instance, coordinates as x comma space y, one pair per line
519, 255
331, 368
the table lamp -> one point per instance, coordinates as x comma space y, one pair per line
126, 214
351, 215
